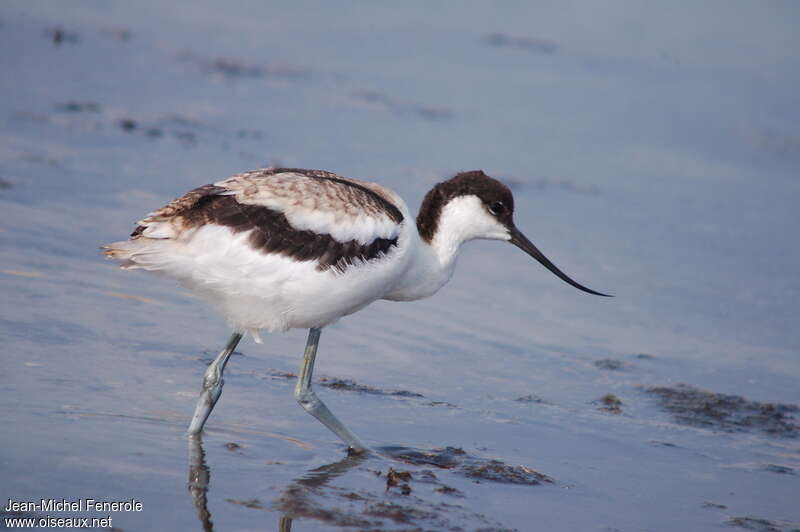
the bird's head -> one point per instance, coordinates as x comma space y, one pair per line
473, 205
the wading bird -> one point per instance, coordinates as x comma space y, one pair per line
283, 248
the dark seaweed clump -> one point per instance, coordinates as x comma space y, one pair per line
524, 43
761, 525
611, 364
352, 386
610, 403
473, 467
729, 413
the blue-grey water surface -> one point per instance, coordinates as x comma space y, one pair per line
654, 152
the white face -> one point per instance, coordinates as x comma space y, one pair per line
466, 218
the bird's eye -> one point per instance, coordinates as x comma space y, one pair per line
496, 207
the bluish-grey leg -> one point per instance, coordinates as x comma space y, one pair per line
312, 404
212, 385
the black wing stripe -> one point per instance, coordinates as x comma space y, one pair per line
272, 233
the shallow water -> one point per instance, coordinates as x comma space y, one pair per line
653, 152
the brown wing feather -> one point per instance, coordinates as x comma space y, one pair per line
271, 232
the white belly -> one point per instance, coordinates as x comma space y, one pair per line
254, 290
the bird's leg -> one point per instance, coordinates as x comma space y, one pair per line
212, 385
312, 404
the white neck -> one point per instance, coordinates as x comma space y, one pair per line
432, 264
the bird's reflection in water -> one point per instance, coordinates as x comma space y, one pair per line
294, 500
200, 478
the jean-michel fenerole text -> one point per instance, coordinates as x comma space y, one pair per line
77, 505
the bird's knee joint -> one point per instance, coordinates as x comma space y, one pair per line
212, 380
306, 398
